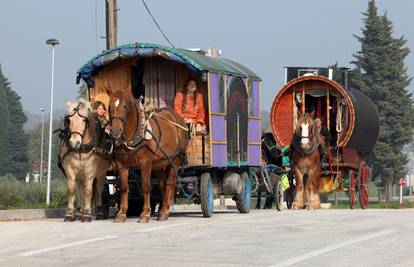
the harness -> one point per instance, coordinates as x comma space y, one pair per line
307, 151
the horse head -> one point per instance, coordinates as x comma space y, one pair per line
306, 131
119, 108
77, 121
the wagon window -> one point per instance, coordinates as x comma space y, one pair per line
249, 85
222, 93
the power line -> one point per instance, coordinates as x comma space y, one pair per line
156, 23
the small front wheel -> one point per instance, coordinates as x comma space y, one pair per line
278, 194
243, 199
206, 195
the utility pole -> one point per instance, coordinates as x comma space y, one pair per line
111, 23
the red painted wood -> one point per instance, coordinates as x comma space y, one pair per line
282, 118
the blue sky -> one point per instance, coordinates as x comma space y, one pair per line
264, 35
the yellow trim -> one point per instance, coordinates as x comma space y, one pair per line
219, 142
209, 118
254, 143
254, 118
218, 114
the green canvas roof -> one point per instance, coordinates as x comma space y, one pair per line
192, 59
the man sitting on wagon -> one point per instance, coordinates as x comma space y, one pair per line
189, 105
324, 134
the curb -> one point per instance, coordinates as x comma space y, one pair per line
31, 214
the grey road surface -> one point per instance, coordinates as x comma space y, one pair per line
260, 238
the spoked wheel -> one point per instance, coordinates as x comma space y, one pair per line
243, 199
278, 195
364, 177
206, 195
351, 191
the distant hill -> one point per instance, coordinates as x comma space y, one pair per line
34, 119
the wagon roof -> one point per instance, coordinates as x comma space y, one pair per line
192, 59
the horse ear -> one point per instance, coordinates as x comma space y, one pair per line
300, 112
69, 104
313, 114
108, 91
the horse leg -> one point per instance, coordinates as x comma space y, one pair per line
123, 205
169, 190
100, 181
312, 189
145, 168
86, 215
70, 216
259, 200
79, 199
298, 204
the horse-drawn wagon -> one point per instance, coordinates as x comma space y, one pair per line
219, 159
351, 122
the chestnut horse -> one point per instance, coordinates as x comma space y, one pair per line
306, 163
165, 151
80, 161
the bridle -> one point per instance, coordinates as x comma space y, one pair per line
85, 119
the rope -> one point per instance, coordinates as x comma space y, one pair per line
339, 116
173, 123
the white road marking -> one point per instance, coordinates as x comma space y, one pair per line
68, 245
328, 249
160, 227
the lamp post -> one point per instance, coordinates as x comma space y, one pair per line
41, 146
51, 42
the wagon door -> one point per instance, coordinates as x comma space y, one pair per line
237, 123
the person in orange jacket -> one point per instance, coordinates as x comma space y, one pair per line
189, 105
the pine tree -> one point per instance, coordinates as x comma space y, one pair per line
381, 74
15, 160
4, 124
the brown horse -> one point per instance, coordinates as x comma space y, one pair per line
80, 161
164, 152
306, 163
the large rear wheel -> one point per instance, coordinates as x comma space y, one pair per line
243, 199
352, 187
364, 177
206, 195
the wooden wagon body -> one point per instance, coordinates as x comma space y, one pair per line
231, 99
349, 115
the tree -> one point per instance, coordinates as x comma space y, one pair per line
4, 124
380, 73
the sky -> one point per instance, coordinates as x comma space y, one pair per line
264, 35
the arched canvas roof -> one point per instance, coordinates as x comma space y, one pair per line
192, 59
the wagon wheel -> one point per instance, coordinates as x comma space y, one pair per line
206, 195
364, 177
243, 199
351, 191
278, 195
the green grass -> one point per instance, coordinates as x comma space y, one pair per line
18, 195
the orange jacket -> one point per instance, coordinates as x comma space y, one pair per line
193, 112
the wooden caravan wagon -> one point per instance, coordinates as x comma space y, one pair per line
350, 117
218, 161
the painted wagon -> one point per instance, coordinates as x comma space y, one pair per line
348, 114
218, 161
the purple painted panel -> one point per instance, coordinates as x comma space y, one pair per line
219, 155
253, 133
214, 93
218, 128
256, 99
254, 155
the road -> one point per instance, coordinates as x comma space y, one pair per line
260, 238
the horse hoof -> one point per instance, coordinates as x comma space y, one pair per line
162, 217
120, 219
99, 216
69, 218
143, 219
257, 207
86, 218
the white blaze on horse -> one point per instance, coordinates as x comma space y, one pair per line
81, 162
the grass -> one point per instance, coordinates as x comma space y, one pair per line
17, 195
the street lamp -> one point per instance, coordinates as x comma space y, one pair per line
41, 146
51, 42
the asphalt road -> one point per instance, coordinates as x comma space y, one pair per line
260, 238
